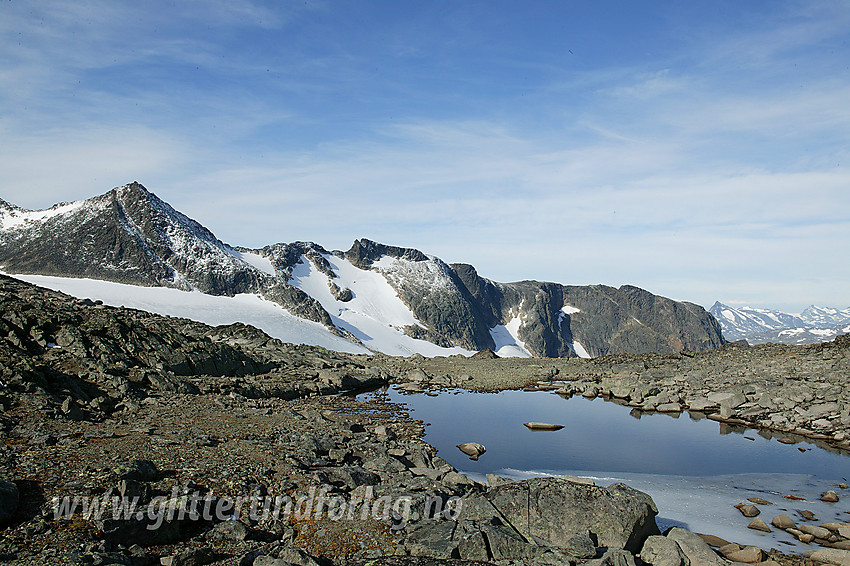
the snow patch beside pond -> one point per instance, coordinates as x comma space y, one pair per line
706, 504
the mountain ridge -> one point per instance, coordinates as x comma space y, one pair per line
129, 235
760, 326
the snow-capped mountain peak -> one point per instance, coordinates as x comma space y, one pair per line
825, 317
386, 298
815, 324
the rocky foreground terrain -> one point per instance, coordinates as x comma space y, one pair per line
130, 438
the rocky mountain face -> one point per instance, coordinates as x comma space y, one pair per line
762, 326
603, 319
129, 235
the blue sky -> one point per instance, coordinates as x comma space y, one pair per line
696, 149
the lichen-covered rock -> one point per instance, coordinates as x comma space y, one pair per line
694, 548
552, 511
661, 551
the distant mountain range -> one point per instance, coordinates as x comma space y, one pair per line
760, 326
129, 247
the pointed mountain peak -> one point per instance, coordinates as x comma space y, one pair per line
364, 252
133, 191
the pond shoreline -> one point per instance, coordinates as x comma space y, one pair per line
787, 390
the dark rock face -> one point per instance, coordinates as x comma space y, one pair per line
127, 235
609, 320
364, 253
8, 500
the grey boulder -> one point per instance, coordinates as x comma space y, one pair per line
553, 511
661, 551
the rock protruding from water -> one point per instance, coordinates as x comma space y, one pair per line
542, 426
472, 449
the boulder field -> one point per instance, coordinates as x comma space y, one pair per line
135, 439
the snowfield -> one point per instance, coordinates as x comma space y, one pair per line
375, 314
256, 261
251, 309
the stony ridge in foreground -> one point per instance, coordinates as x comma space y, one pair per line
99, 400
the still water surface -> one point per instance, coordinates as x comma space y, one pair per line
695, 470
602, 436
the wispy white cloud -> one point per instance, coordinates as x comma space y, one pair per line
711, 173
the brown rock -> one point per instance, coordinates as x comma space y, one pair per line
748, 510
472, 449
829, 496
793, 497
829, 556
817, 532
748, 555
832, 526
800, 535
842, 544
759, 501
784, 522
714, 541
807, 515
759, 525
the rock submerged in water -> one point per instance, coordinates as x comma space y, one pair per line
472, 449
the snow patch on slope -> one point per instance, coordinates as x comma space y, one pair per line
375, 314
506, 337
256, 261
579, 350
431, 274
569, 309
251, 309
566, 311
14, 217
